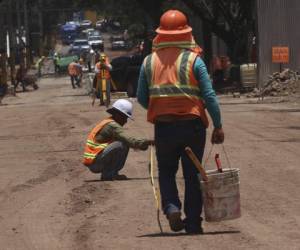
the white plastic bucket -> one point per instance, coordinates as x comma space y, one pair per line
221, 194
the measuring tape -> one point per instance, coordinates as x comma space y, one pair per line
155, 191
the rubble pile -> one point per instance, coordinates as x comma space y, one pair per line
279, 84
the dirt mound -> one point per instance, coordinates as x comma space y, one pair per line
279, 84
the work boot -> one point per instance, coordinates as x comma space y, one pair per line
175, 221
120, 177
117, 177
192, 229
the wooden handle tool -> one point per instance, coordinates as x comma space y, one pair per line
197, 163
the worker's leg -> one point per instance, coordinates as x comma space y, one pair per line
111, 160
72, 82
78, 80
89, 67
194, 137
167, 154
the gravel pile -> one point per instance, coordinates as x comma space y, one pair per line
279, 84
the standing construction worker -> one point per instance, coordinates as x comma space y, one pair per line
173, 86
107, 144
74, 70
39, 64
103, 63
56, 59
90, 59
102, 69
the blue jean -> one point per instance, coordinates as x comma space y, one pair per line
171, 138
111, 160
74, 80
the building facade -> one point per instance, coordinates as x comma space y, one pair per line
278, 26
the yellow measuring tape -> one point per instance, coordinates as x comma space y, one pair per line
155, 191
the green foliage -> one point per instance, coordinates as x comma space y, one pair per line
231, 20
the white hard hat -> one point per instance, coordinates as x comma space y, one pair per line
122, 105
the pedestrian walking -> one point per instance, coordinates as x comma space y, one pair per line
56, 58
39, 64
74, 70
174, 85
107, 145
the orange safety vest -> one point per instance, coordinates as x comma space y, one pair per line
103, 73
73, 69
93, 147
173, 87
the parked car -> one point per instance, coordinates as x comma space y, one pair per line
118, 45
69, 32
101, 25
80, 46
125, 73
96, 42
85, 24
94, 33
64, 61
87, 32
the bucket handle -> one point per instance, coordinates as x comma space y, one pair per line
225, 153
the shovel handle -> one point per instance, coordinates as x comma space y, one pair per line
197, 163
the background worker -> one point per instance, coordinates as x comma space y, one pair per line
102, 69
39, 64
56, 58
173, 86
90, 59
74, 70
107, 144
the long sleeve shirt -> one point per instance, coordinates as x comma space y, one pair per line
207, 92
115, 132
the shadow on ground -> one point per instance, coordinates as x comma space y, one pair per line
184, 234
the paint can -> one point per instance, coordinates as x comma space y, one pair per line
221, 194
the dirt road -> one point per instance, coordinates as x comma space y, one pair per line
48, 200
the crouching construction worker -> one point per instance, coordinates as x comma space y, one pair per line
75, 70
173, 86
107, 144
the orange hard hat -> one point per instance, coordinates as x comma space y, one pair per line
173, 22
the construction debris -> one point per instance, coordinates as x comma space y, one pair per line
279, 84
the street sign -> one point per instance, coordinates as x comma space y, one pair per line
280, 54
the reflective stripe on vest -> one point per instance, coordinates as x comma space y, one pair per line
92, 147
177, 44
173, 88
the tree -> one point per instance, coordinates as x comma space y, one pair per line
230, 20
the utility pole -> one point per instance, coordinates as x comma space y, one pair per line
3, 70
20, 44
18, 14
40, 15
28, 50
12, 42
2, 27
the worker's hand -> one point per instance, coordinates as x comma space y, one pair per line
217, 136
146, 144
151, 142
